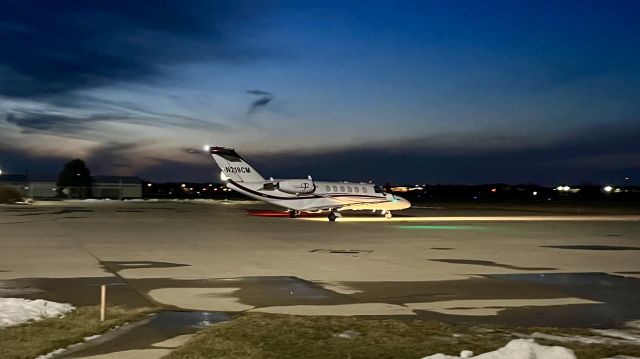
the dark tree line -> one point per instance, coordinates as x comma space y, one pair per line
74, 180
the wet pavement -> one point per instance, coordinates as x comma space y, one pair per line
212, 256
492, 264
614, 296
151, 333
596, 247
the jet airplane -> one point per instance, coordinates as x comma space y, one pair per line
303, 195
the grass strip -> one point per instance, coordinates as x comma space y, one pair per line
264, 336
29, 340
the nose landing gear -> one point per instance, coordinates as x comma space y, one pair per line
387, 214
334, 215
294, 213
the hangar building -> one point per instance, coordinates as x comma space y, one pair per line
44, 186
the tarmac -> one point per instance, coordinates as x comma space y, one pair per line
503, 265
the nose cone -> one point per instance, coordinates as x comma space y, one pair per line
397, 202
402, 203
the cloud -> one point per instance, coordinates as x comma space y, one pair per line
592, 154
262, 101
84, 115
120, 158
259, 93
51, 48
45, 122
55, 54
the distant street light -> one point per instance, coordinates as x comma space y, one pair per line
608, 189
0, 172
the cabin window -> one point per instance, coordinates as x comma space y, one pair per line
328, 188
356, 189
349, 189
335, 188
341, 188
364, 189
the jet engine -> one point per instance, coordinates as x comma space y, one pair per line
297, 186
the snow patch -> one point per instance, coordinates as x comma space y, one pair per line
516, 349
15, 311
52, 354
633, 324
572, 338
608, 337
618, 334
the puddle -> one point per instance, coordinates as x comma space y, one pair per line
117, 266
142, 335
595, 247
619, 295
489, 264
355, 252
134, 292
270, 291
23, 209
65, 210
77, 291
32, 214
250, 291
163, 209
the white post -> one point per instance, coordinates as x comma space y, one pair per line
103, 301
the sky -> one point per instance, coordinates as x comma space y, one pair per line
464, 92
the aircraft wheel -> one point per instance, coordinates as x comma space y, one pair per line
332, 217
294, 214
388, 215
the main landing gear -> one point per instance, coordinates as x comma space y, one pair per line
387, 214
294, 213
334, 215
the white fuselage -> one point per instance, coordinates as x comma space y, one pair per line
302, 194
325, 196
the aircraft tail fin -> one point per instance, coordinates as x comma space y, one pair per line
233, 166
